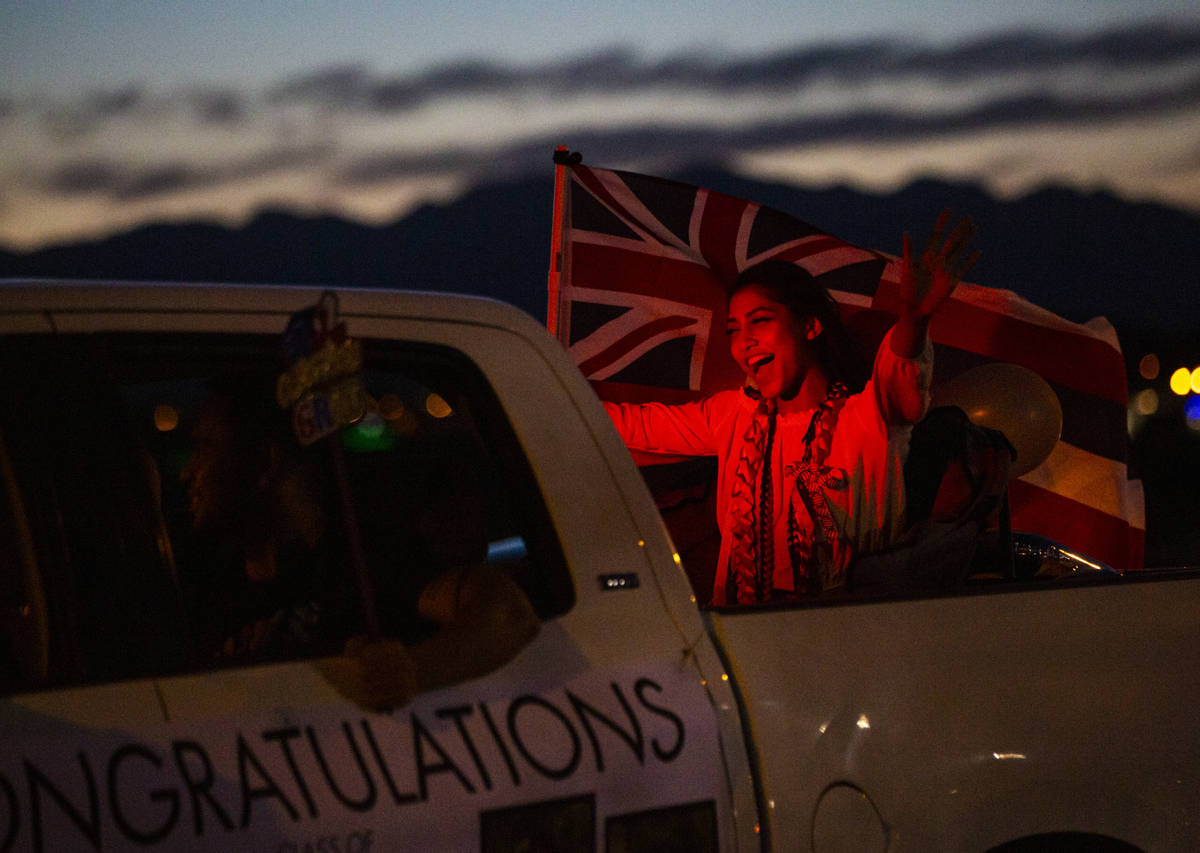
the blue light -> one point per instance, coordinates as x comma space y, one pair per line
503, 550
1191, 409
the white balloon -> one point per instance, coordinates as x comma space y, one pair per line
1012, 399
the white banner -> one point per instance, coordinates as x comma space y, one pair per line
452, 771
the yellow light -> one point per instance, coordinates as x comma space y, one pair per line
165, 417
436, 406
1146, 402
1082, 559
724, 676
1149, 366
1181, 381
641, 543
863, 722
1196, 380
678, 560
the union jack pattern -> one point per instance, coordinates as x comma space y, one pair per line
646, 264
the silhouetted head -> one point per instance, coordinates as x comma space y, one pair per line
243, 450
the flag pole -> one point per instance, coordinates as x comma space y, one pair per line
562, 159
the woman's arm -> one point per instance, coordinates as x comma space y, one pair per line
927, 281
682, 428
904, 361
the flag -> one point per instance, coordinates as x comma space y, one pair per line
642, 275
638, 284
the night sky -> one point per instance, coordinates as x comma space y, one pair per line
114, 114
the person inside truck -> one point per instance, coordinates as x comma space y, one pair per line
452, 615
255, 497
810, 465
267, 505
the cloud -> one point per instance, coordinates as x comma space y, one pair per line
84, 177
620, 70
92, 111
339, 84
344, 133
388, 167
101, 109
684, 144
129, 182
1135, 47
350, 87
217, 106
1037, 58
673, 144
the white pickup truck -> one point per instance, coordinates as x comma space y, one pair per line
1059, 714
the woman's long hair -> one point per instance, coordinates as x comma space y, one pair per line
797, 290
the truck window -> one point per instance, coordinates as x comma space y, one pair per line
159, 515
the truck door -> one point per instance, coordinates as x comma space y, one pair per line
177, 694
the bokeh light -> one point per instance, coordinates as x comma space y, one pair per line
1196, 380
391, 407
369, 434
1145, 402
371, 425
166, 418
436, 406
1191, 410
1149, 366
1181, 381
401, 417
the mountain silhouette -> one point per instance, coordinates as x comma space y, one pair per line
493, 241
1078, 255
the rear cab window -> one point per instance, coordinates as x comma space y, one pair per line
159, 516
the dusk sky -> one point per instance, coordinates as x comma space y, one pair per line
113, 114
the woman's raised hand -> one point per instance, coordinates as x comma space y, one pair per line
928, 280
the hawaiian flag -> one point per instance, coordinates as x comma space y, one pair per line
638, 296
643, 269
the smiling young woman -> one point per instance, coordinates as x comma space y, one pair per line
809, 474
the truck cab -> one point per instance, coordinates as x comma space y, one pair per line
634, 717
